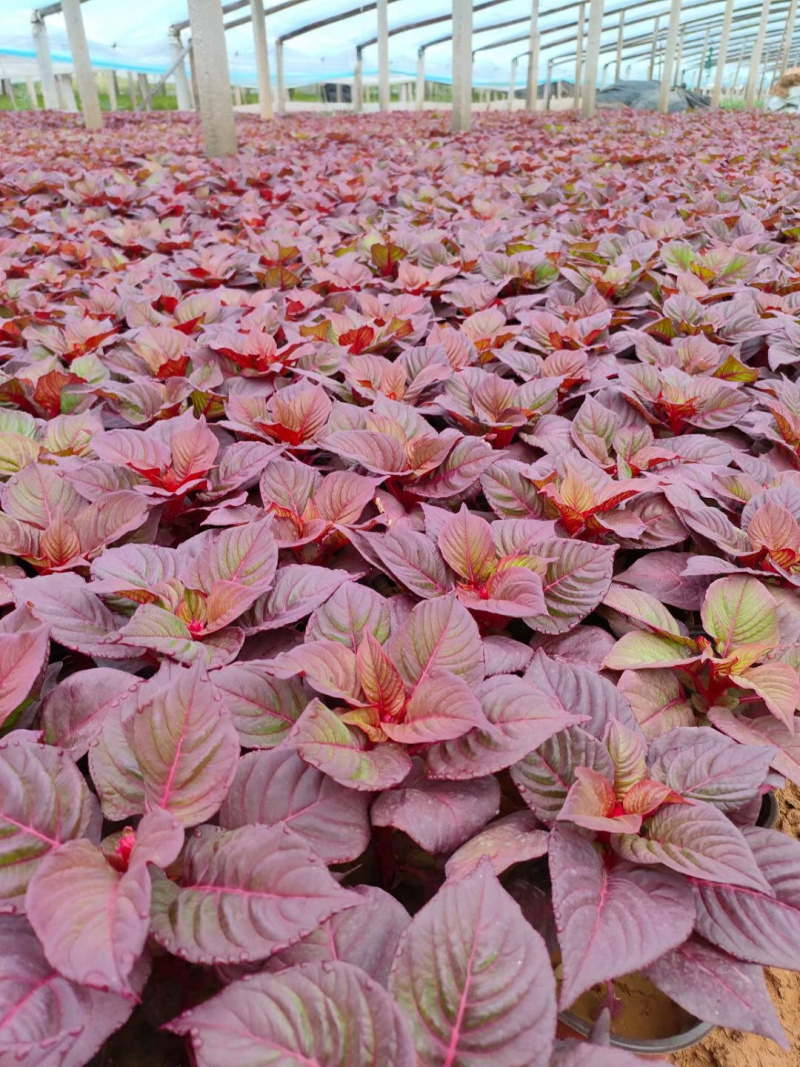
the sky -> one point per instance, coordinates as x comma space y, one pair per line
136, 34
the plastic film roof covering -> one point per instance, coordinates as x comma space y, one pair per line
134, 36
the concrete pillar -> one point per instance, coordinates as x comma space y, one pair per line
588, 101
262, 58
462, 65
31, 85
579, 56
384, 92
548, 89
237, 95
532, 84
722, 54
132, 90
620, 38
81, 61
44, 61
280, 105
678, 57
144, 89
358, 82
182, 91
213, 77
703, 55
653, 46
738, 69
512, 84
66, 93
111, 88
420, 95
788, 38
669, 56
755, 58
7, 89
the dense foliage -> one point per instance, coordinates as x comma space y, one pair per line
401, 544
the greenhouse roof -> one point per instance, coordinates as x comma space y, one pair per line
134, 36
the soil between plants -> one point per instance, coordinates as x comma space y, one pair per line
730, 1048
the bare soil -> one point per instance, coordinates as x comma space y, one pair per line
730, 1048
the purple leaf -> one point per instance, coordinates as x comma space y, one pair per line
409, 557
351, 612
474, 979
24, 648
545, 776
74, 712
759, 927
662, 575
278, 788
700, 764
512, 839
439, 816
342, 936
92, 921
696, 840
717, 988
243, 895
77, 618
611, 920
766, 731
297, 591
184, 743
520, 717
575, 582
46, 1020
438, 633
441, 708
318, 1015
339, 750
44, 802
580, 691
264, 709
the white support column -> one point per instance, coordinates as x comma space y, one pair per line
111, 88
620, 37
532, 85
213, 77
262, 58
384, 90
144, 89
66, 93
358, 83
462, 65
739, 61
788, 37
576, 95
237, 95
45, 62
182, 91
281, 87
653, 47
669, 56
722, 54
588, 102
512, 84
755, 59
31, 85
78, 45
548, 89
703, 55
420, 97
678, 57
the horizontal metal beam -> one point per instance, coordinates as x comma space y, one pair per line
236, 5
743, 13
49, 9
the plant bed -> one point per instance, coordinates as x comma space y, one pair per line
399, 569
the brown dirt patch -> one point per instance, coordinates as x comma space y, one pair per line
730, 1048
